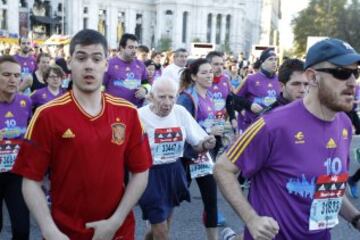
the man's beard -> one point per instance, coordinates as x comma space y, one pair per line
329, 98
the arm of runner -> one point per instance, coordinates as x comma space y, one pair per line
106, 229
26, 82
206, 144
348, 211
260, 227
37, 204
141, 92
256, 108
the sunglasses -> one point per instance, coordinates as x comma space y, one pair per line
340, 73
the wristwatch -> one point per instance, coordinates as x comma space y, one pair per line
355, 220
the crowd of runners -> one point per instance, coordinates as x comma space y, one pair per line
85, 138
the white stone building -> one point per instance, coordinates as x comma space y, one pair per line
237, 24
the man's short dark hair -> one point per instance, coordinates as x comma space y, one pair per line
88, 37
8, 58
125, 37
213, 54
288, 68
143, 48
179, 50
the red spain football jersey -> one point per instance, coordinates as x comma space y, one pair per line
86, 157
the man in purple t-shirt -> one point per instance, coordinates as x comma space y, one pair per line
28, 65
15, 112
297, 156
260, 89
126, 74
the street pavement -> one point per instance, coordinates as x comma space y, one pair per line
187, 222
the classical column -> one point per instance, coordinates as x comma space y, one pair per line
223, 28
93, 15
13, 16
213, 28
112, 25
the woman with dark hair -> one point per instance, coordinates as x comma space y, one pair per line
52, 77
195, 81
156, 58
42, 62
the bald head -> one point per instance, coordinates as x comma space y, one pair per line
163, 96
162, 84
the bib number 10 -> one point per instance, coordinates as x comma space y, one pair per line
333, 166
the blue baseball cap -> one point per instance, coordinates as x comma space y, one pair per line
331, 50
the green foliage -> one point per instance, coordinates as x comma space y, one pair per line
197, 39
225, 47
329, 18
164, 44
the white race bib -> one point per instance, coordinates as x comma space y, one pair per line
202, 166
9, 150
327, 201
167, 144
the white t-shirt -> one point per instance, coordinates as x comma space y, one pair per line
167, 135
172, 72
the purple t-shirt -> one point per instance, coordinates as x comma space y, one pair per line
206, 113
43, 95
298, 166
124, 78
28, 64
14, 118
220, 89
260, 89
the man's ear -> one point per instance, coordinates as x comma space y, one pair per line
311, 76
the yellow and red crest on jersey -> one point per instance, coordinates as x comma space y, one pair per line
118, 133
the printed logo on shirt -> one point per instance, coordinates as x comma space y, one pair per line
127, 69
331, 143
137, 66
118, 133
257, 83
44, 95
9, 114
345, 134
68, 134
270, 85
23, 103
301, 187
116, 67
299, 138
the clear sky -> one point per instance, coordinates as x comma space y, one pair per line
289, 10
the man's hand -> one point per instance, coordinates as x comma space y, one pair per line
140, 93
256, 108
209, 142
103, 229
264, 228
55, 234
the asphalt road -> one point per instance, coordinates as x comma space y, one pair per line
187, 222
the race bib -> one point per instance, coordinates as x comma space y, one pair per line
167, 144
219, 104
9, 150
207, 124
202, 166
327, 201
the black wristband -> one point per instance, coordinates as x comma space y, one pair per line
355, 220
